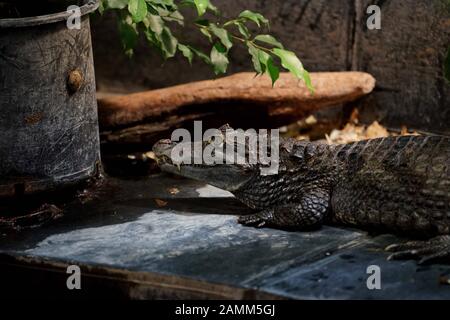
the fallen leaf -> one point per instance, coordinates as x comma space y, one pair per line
375, 130
173, 190
160, 203
150, 155
354, 117
404, 131
311, 120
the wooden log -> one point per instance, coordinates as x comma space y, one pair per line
241, 99
288, 96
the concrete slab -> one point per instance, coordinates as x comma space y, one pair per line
194, 235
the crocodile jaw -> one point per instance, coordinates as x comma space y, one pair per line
229, 177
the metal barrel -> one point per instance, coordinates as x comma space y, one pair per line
48, 110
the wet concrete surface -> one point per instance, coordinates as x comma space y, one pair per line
183, 231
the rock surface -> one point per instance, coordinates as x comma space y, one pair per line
194, 248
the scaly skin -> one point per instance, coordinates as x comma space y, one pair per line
396, 184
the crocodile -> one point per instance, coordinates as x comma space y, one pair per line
399, 185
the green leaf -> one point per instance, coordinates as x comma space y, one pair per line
222, 34
169, 43
166, 10
175, 16
266, 38
201, 55
254, 52
151, 37
155, 23
207, 34
187, 52
101, 7
219, 58
269, 66
242, 29
138, 10
202, 6
115, 4
290, 62
160, 36
129, 36
273, 70
447, 66
205, 31
255, 17
307, 79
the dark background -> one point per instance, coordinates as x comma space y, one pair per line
406, 56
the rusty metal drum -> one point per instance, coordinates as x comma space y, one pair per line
48, 111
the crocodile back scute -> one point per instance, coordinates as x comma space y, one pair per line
399, 183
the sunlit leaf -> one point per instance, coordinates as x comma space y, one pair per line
207, 34
175, 16
137, 9
255, 17
254, 53
219, 58
266, 38
290, 62
307, 79
101, 7
242, 29
202, 6
169, 43
156, 24
187, 52
222, 34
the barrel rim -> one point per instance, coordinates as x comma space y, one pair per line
88, 7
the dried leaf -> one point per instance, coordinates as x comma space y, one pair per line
375, 130
160, 203
354, 117
173, 190
311, 120
404, 131
150, 155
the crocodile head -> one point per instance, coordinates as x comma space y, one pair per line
229, 176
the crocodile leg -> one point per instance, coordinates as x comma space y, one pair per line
308, 213
434, 249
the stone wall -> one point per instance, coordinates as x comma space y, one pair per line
406, 56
